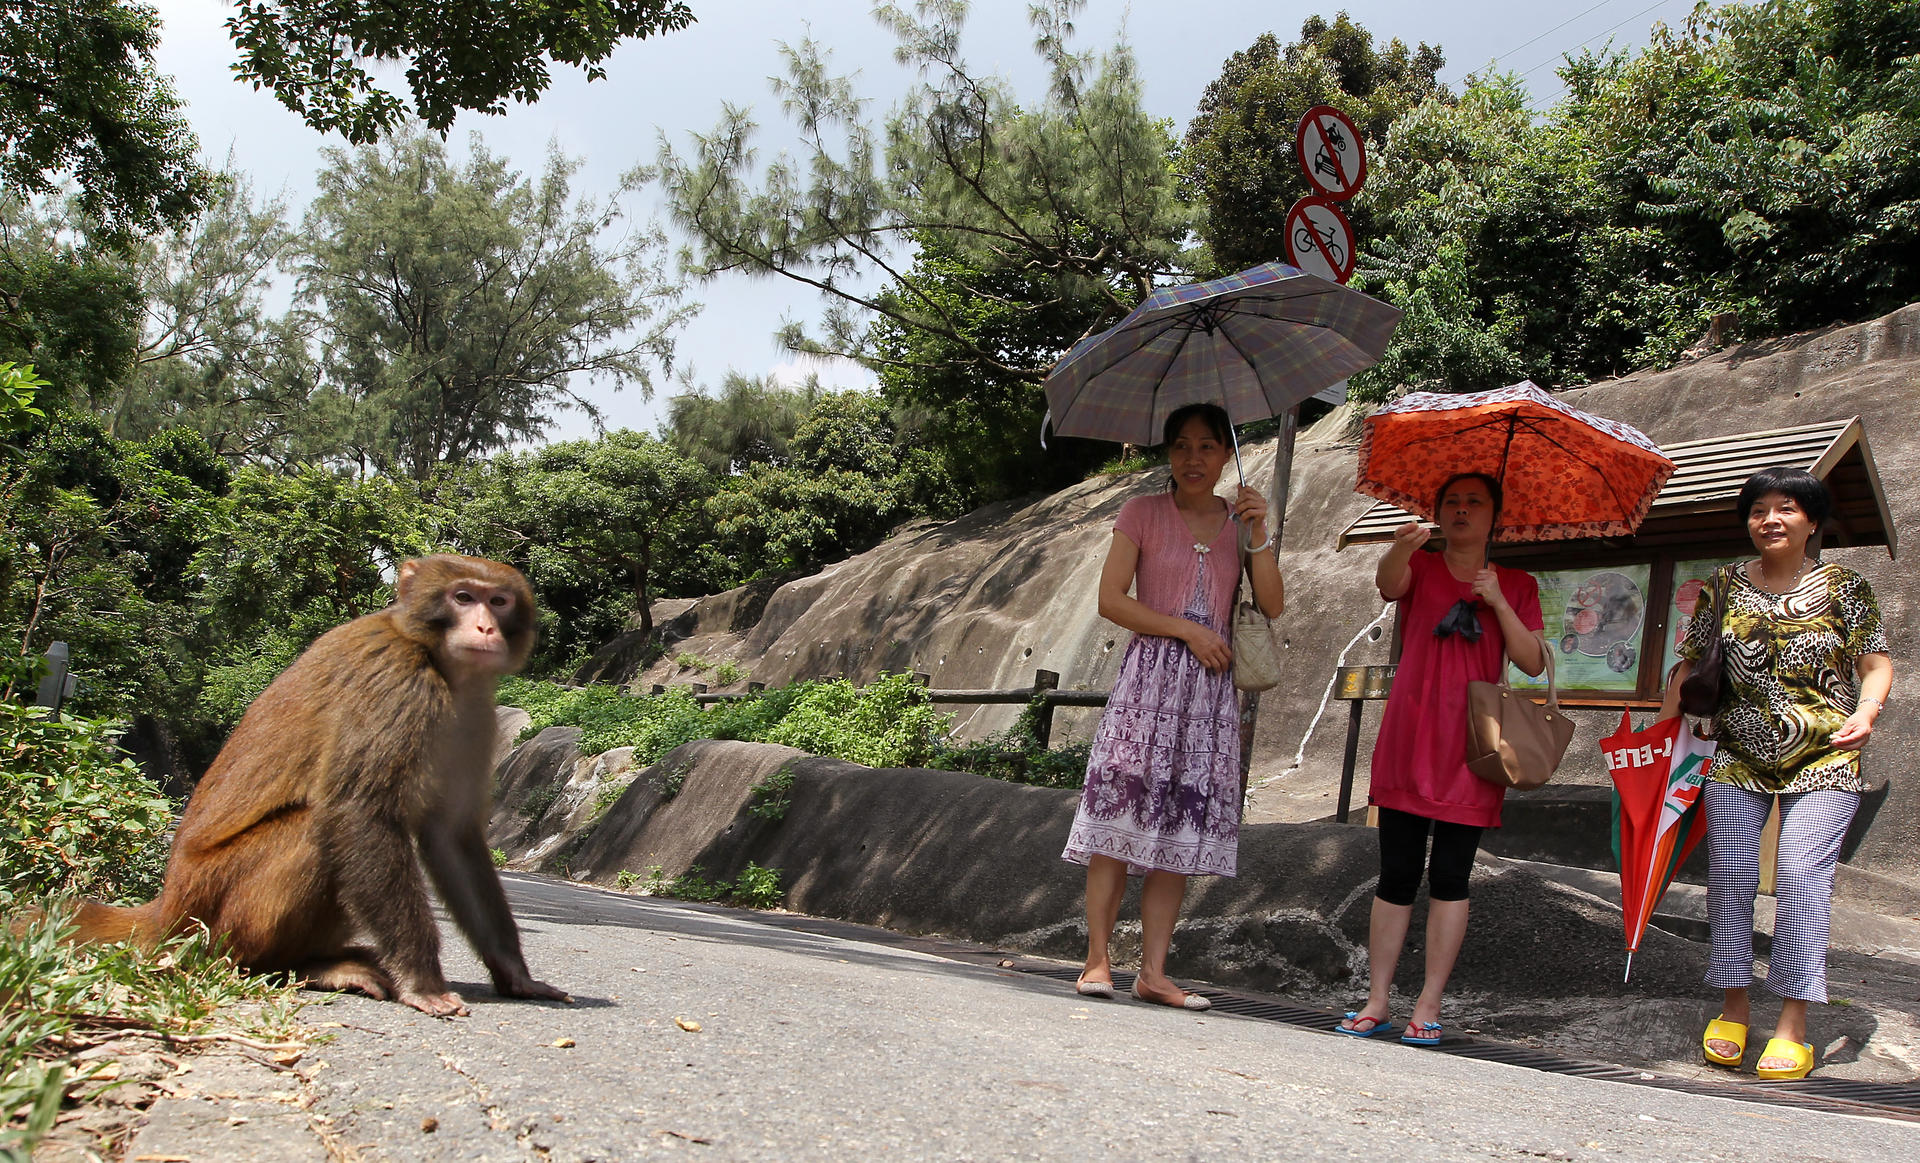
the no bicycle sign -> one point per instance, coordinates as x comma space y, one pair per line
1331, 152
1320, 239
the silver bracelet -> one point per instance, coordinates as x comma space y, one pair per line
1262, 545
1878, 704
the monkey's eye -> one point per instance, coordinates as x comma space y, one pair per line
463, 597
499, 601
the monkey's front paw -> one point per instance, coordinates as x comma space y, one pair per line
438, 1005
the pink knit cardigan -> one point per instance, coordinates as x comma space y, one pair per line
1169, 560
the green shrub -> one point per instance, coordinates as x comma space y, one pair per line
726, 674
1015, 755
754, 888
769, 799
669, 782
499, 856
607, 795
888, 723
539, 802
626, 880
76, 816
686, 660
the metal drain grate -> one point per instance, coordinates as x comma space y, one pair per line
1833, 1095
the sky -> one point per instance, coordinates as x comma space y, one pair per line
674, 85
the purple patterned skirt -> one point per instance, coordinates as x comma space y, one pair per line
1163, 780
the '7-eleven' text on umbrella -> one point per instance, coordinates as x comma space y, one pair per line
1256, 343
1564, 473
1657, 819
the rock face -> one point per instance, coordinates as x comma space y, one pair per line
985, 600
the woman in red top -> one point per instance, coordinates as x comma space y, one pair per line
1460, 619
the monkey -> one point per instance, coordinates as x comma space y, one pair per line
368, 757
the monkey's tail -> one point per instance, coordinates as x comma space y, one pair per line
98, 924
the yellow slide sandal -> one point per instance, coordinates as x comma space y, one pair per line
1799, 1053
1722, 1030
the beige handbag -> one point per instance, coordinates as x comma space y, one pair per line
1256, 653
1513, 741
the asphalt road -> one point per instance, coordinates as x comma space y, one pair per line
823, 1045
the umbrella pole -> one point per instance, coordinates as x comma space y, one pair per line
1629, 974
1237, 466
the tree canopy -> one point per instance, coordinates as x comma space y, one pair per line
455, 304
79, 98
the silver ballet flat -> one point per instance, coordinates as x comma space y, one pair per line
1192, 1001
1102, 989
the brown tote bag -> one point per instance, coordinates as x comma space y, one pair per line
1513, 741
1700, 694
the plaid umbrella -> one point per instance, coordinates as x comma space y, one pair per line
1564, 473
1256, 343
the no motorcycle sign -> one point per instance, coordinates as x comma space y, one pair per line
1331, 152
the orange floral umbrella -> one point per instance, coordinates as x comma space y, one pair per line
1564, 474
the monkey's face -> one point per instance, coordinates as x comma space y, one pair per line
479, 615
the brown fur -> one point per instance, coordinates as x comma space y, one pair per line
301, 839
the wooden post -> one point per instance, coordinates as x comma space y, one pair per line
657, 689
1044, 681
754, 688
1276, 523
921, 678
698, 688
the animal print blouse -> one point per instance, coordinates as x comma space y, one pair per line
1788, 677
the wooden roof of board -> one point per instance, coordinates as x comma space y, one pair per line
1696, 506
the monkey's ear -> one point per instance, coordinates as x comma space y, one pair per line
408, 571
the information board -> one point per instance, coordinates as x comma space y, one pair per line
1594, 622
1688, 577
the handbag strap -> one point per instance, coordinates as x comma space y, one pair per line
1546, 652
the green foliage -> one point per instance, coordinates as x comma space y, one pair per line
72, 300
627, 880
1032, 222
56, 998
727, 673
604, 797
539, 802
316, 57
76, 817
771, 797
1758, 161
455, 305
747, 422
499, 857
754, 888
846, 481
600, 527
1238, 159
687, 660
99, 536
888, 723
80, 97
19, 388
1016, 756
669, 782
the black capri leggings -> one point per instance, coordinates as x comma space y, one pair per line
1403, 848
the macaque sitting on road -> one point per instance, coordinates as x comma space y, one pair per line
371, 755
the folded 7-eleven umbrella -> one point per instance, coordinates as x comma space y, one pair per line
1657, 819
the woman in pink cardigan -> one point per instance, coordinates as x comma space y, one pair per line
1162, 796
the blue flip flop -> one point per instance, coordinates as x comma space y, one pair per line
1422, 1034
1380, 1025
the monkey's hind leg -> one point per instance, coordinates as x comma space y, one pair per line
355, 971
